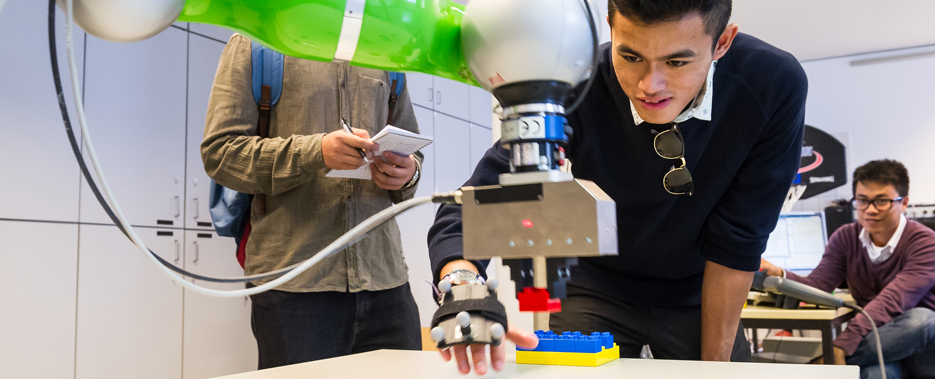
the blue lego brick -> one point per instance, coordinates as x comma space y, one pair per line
607, 339
588, 344
564, 344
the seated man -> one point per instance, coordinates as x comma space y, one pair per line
889, 265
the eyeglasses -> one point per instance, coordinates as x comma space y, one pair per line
670, 145
879, 204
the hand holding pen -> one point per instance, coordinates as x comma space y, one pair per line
347, 149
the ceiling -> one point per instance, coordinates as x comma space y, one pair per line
816, 29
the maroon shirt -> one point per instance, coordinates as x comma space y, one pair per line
886, 289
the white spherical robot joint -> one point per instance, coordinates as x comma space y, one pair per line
492, 284
496, 331
124, 20
438, 333
444, 286
464, 319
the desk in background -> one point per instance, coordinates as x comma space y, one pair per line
399, 364
827, 320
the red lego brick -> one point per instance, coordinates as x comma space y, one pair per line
537, 300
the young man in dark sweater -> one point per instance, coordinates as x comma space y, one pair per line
686, 260
888, 263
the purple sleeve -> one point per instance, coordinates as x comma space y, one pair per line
902, 294
831, 270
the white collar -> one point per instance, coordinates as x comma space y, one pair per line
701, 105
881, 253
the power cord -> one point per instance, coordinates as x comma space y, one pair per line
876, 336
593, 69
115, 214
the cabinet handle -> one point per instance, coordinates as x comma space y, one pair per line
438, 97
178, 207
178, 251
430, 96
195, 200
196, 252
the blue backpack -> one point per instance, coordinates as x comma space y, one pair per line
230, 210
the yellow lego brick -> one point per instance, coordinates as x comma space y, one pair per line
568, 359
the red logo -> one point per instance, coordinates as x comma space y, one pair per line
496, 80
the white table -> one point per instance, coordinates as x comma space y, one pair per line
398, 364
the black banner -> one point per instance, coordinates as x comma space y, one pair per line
823, 166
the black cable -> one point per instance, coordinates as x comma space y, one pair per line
97, 193
587, 86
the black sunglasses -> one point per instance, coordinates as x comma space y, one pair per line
670, 145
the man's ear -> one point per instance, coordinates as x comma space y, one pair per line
724, 41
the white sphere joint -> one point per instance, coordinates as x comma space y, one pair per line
438, 333
124, 20
444, 286
496, 331
493, 284
463, 319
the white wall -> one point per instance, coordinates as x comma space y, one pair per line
879, 110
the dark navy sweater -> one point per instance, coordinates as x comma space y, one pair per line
742, 163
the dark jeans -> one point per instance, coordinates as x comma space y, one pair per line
300, 327
670, 332
908, 347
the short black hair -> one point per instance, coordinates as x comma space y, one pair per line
714, 13
885, 172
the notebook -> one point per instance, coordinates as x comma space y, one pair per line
392, 139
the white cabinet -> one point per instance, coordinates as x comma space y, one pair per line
203, 59
414, 229
481, 141
135, 102
481, 107
421, 91
426, 120
211, 31
39, 267
452, 98
39, 174
452, 152
218, 339
129, 312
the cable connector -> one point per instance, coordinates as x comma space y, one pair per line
447, 197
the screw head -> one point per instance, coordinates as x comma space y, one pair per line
568, 241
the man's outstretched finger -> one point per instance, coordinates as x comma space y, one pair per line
460, 353
479, 356
498, 357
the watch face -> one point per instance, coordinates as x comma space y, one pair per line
459, 276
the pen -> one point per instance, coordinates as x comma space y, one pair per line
347, 128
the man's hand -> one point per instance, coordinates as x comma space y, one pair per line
393, 171
769, 268
338, 149
516, 335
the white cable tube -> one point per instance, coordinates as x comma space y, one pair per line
2, 2
351, 235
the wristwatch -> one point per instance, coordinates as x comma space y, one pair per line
415, 175
464, 276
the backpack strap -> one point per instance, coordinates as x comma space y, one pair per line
267, 88
397, 80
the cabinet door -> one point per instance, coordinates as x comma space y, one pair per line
421, 90
481, 107
129, 312
452, 98
426, 120
37, 326
414, 227
218, 340
135, 97
452, 153
481, 141
203, 56
211, 31
40, 175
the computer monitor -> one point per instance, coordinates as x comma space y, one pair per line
798, 242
